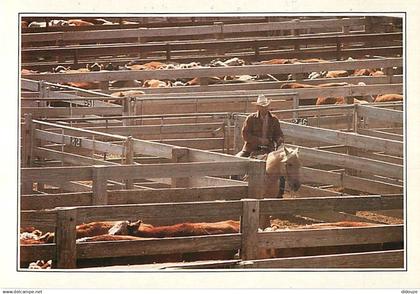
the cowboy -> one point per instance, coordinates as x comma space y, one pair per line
262, 133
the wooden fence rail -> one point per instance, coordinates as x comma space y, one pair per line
215, 29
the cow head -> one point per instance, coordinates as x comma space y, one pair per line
125, 228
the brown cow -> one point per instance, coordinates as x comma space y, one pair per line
79, 23
153, 65
156, 84
296, 86
337, 74
278, 61
84, 85
389, 98
82, 231
140, 229
310, 60
25, 71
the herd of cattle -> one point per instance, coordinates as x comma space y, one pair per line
71, 22
138, 230
181, 82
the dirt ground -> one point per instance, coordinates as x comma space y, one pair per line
292, 221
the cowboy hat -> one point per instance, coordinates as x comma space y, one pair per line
262, 101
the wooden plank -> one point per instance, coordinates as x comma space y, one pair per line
99, 185
159, 129
151, 246
369, 186
340, 203
65, 238
350, 161
78, 130
31, 253
73, 186
249, 229
69, 158
342, 138
205, 182
49, 201
308, 191
313, 175
81, 142
331, 237
56, 174
152, 148
161, 213
177, 195
334, 216
381, 157
169, 170
256, 179
46, 112
381, 114
379, 259
180, 155
196, 155
380, 134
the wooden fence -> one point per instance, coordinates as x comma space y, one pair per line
65, 252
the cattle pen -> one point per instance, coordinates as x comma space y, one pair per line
111, 152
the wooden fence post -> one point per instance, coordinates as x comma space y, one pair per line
256, 186
237, 133
99, 185
219, 36
27, 141
249, 229
129, 159
180, 154
65, 238
256, 174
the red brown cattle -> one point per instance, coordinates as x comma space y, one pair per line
363, 72
82, 231
79, 23
342, 84
337, 100
84, 85
25, 71
107, 237
389, 98
278, 61
211, 80
140, 229
40, 264
156, 84
153, 65
337, 74
310, 60
296, 86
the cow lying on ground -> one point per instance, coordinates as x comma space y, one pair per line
82, 231
389, 98
140, 229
